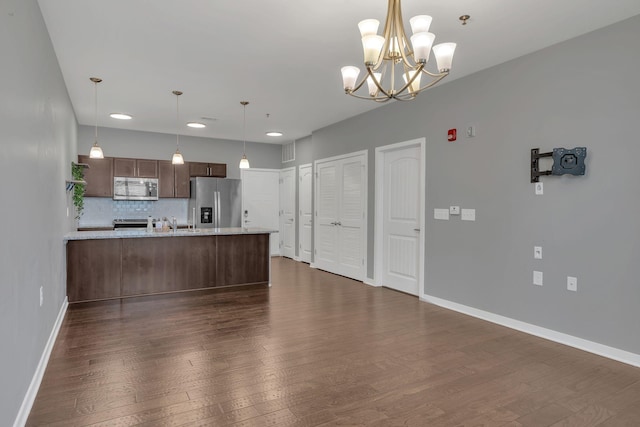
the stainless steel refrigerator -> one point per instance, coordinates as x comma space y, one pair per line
217, 202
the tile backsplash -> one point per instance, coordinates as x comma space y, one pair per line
99, 212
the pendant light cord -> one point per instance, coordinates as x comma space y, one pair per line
177, 122
95, 85
244, 129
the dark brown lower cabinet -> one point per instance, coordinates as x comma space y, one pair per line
114, 268
166, 264
93, 269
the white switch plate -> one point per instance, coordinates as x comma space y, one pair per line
41, 296
572, 283
454, 210
468, 214
537, 252
471, 131
441, 214
539, 189
537, 278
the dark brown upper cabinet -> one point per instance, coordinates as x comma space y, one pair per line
99, 176
135, 168
218, 170
173, 180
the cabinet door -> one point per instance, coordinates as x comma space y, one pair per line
99, 176
219, 170
166, 186
181, 177
198, 169
124, 167
146, 168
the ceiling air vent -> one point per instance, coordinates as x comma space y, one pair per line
288, 152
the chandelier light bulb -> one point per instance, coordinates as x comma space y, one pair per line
372, 45
420, 24
368, 27
373, 88
421, 43
349, 77
444, 55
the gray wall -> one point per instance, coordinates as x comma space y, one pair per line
583, 92
38, 134
161, 146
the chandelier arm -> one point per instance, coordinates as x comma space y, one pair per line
443, 74
403, 41
410, 81
429, 85
373, 78
370, 98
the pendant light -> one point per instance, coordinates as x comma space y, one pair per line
244, 162
177, 158
96, 151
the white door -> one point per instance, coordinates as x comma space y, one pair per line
340, 203
305, 173
288, 212
401, 218
261, 202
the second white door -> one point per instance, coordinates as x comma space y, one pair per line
288, 212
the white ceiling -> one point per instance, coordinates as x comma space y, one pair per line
283, 56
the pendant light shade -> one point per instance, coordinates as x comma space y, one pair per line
96, 151
244, 162
177, 158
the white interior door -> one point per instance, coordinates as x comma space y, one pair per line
326, 230
305, 173
351, 218
261, 202
401, 218
340, 217
288, 212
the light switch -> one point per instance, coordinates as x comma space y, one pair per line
537, 278
572, 284
537, 252
468, 214
454, 210
441, 214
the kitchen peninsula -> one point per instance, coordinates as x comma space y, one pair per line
116, 264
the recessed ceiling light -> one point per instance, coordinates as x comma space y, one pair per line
120, 116
196, 125
274, 133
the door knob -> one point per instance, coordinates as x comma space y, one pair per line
416, 229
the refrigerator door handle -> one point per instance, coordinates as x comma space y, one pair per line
219, 208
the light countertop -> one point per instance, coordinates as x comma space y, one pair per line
137, 233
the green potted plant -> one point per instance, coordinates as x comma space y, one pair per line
77, 174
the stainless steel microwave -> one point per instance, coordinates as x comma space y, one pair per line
135, 188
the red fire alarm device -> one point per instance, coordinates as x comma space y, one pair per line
451, 135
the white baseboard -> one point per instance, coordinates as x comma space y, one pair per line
549, 334
297, 258
32, 391
312, 265
370, 282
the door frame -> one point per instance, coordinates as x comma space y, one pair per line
378, 249
365, 203
299, 207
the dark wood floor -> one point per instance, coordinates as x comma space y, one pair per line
317, 350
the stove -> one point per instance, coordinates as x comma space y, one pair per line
129, 223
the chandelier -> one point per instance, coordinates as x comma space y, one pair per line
394, 66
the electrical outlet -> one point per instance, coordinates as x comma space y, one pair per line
572, 284
537, 278
539, 189
454, 210
41, 296
537, 252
